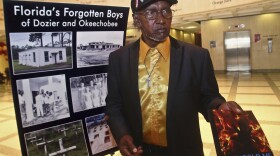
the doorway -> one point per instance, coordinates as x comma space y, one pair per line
54, 59
237, 49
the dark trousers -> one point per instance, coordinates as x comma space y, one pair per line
153, 150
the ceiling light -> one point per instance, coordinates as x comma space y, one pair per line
191, 27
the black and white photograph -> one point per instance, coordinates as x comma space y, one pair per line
41, 51
67, 139
88, 92
42, 99
99, 134
93, 48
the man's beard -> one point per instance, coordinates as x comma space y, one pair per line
154, 38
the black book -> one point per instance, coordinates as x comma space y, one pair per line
238, 135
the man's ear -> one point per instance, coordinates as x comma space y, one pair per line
136, 21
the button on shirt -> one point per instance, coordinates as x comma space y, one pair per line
153, 96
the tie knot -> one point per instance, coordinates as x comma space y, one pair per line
153, 52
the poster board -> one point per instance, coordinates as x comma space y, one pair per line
58, 58
238, 134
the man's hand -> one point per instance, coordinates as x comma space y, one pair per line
231, 106
127, 148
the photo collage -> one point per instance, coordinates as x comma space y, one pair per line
49, 98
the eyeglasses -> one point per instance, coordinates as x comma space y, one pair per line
152, 14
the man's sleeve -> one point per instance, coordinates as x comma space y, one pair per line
114, 101
210, 98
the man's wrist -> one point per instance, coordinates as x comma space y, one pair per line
217, 103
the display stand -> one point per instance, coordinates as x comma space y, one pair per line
58, 58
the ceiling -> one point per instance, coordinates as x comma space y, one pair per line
187, 22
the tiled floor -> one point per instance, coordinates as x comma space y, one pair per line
9, 142
259, 92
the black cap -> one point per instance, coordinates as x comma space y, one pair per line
137, 5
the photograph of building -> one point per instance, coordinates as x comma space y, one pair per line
42, 99
66, 139
88, 92
42, 56
93, 48
99, 134
99, 46
41, 51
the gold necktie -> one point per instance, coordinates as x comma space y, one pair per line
153, 57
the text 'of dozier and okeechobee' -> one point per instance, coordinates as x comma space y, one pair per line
76, 17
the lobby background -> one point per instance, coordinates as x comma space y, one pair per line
206, 19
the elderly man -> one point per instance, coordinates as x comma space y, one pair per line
157, 86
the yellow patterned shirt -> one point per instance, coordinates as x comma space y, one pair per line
153, 94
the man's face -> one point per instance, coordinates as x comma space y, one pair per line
154, 29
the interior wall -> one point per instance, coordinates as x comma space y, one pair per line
266, 25
133, 34
191, 6
182, 36
3, 64
3, 57
3, 48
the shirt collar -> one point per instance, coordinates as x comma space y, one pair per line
163, 48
